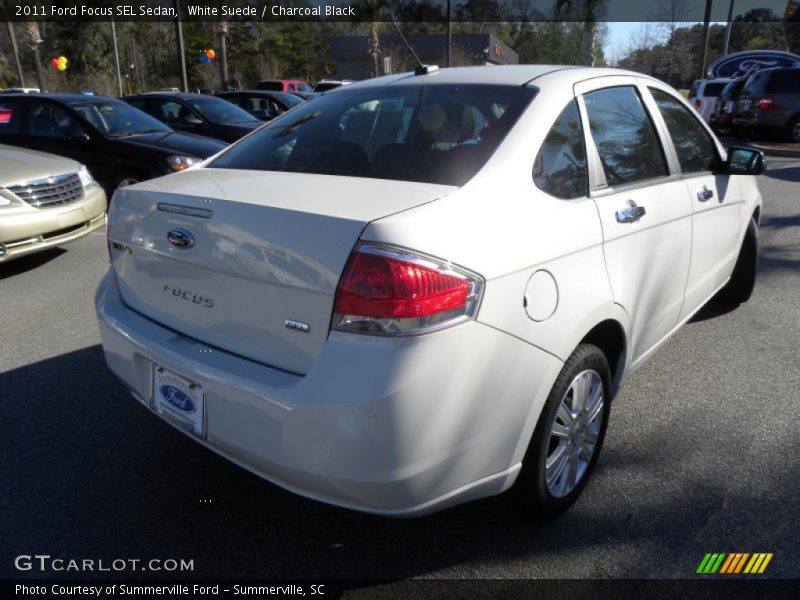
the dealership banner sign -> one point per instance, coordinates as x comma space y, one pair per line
431, 11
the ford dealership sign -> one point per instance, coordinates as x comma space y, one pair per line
740, 64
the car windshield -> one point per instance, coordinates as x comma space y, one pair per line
117, 119
221, 111
432, 133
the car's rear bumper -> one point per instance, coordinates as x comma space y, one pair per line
28, 229
399, 427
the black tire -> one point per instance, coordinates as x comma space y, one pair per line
743, 279
533, 494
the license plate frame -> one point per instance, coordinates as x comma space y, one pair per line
179, 399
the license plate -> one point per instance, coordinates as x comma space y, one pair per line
179, 399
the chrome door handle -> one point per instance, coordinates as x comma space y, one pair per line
704, 194
631, 213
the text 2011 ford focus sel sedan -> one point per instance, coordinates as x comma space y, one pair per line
424, 289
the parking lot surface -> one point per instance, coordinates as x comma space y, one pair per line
702, 454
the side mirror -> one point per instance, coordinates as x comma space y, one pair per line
745, 161
192, 120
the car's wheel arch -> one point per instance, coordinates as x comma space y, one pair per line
607, 327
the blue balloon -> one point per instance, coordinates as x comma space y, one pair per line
204, 59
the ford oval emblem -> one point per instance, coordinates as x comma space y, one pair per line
180, 238
177, 398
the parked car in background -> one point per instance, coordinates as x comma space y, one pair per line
45, 201
424, 289
769, 105
703, 95
305, 95
283, 85
721, 120
264, 106
323, 85
20, 90
196, 113
118, 143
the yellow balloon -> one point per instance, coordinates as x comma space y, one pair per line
62, 60
62, 67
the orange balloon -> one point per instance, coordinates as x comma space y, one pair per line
211, 54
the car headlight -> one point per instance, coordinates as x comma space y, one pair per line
181, 163
86, 178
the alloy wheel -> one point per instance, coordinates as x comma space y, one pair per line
574, 433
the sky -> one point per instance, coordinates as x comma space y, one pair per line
620, 35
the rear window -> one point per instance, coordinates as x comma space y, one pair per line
324, 87
712, 90
433, 134
785, 81
732, 88
755, 84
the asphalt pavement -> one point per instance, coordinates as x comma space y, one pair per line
702, 454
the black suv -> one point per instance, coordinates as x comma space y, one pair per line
119, 144
197, 113
769, 104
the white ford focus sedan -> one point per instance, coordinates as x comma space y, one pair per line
426, 288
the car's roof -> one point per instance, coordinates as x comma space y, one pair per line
254, 92
62, 97
176, 95
496, 75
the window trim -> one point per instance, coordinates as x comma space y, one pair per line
586, 157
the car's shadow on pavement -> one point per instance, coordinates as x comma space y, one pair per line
790, 174
29, 262
91, 473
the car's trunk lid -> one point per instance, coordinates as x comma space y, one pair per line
268, 250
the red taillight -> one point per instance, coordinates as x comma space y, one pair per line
766, 103
698, 104
387, 290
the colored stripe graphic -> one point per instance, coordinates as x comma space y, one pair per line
758, 563
702, 567
734, 562
740, 564
711, 563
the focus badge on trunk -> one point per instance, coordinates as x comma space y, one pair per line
180, 238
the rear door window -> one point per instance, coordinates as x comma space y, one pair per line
47, 119
626, 140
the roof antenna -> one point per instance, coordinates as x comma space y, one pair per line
421, 69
